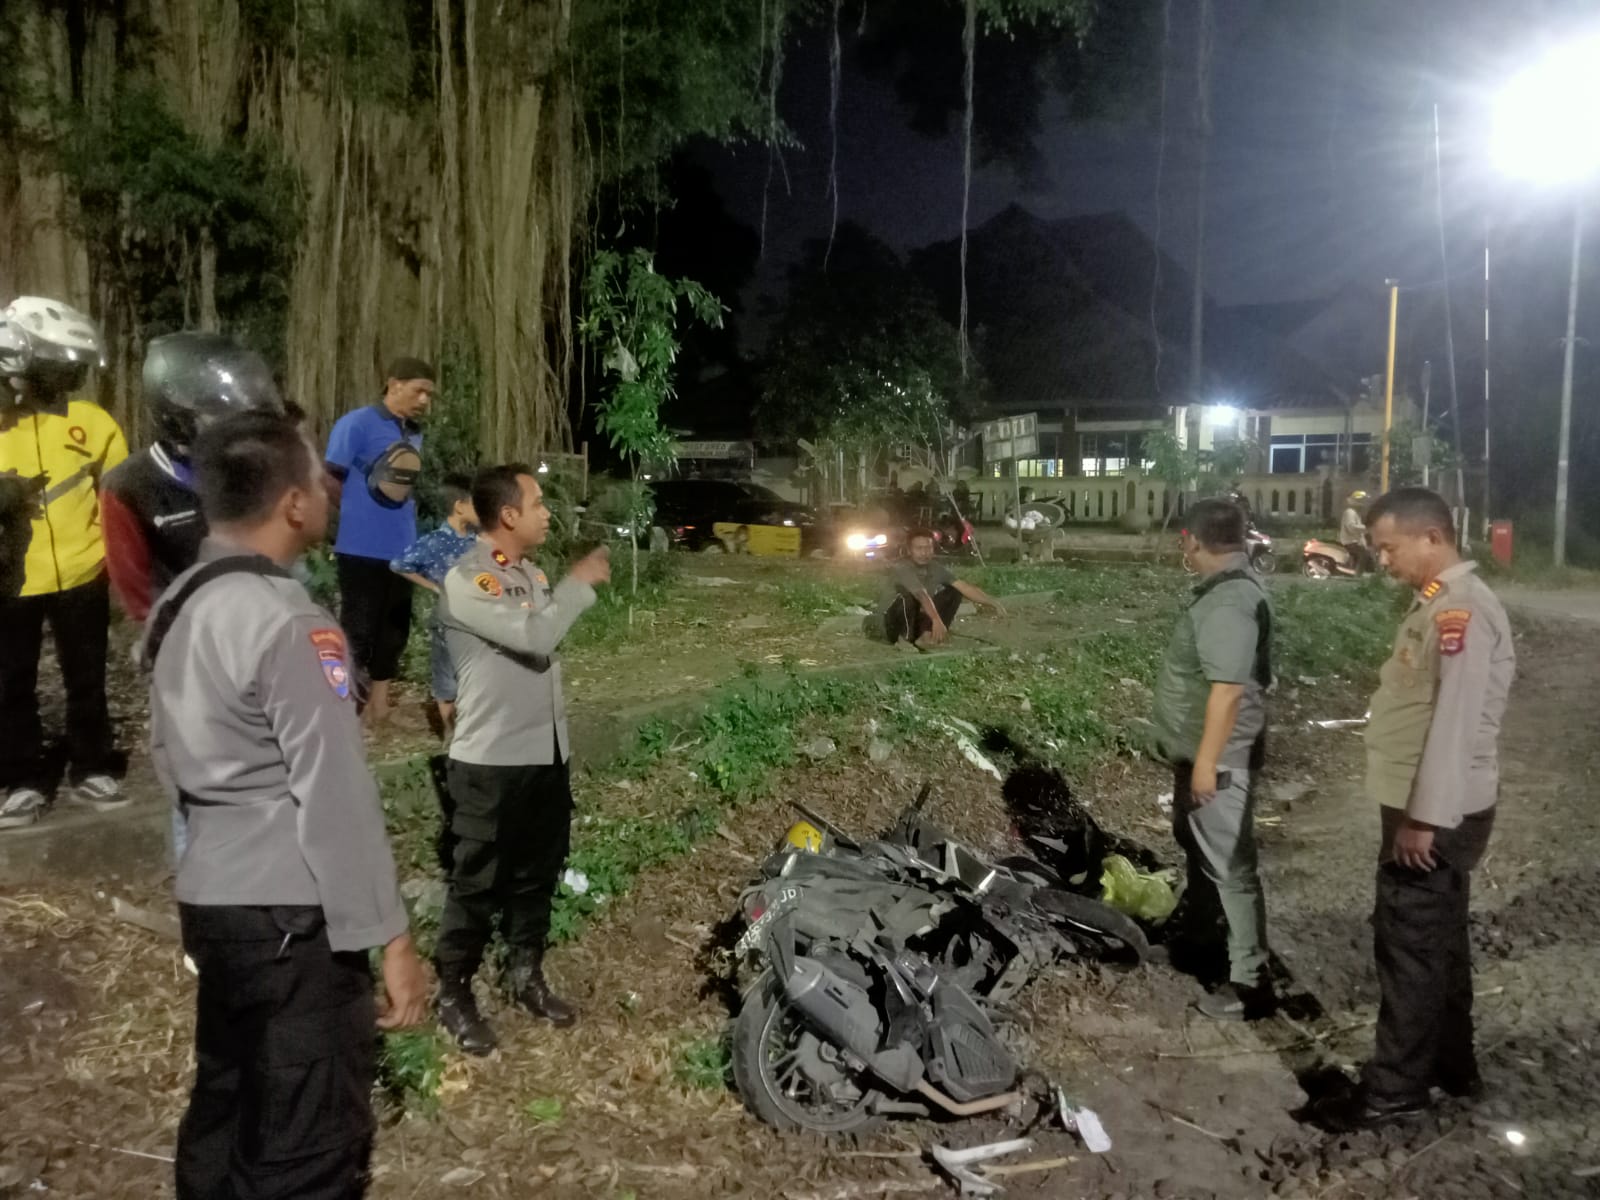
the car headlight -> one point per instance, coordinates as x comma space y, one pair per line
881, 540
623, 531
857, 541
789, 522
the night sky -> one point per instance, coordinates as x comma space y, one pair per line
1322, 158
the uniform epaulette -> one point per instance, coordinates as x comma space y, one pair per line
1432, 590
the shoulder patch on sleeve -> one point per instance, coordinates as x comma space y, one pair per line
487, 583
334, 660
1452, 625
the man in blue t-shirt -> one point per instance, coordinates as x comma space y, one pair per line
376, 453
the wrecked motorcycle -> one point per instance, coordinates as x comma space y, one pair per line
882, 968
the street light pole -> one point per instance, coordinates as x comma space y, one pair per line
1564, 449
1388, 380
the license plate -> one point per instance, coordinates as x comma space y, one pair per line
751, 941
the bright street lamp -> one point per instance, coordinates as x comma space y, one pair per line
1543, 131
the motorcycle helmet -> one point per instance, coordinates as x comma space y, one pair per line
1357, 497
392, 478
15, 354
193, 378
803, 835
62, 343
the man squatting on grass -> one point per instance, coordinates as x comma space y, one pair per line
923, 598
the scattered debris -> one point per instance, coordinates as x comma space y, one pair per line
461, 1177
159, 924
878, 750
1084, 1122
959, 1164
576, 880
819, 748
1164, 802
966, 735
711, 581
1346, 723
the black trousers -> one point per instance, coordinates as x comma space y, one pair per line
79, 619
375, 611
906, 620
512, 828
1424, 957
286, 1052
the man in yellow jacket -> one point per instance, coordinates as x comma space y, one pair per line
55, 448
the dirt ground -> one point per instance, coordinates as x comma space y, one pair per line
95, 1017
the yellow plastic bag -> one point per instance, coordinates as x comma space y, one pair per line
1142, 894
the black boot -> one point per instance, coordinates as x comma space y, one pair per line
529, 989
459, 1015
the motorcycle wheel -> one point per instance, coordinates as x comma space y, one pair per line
1114, 932
1265, 562
779, 1069
1318, 567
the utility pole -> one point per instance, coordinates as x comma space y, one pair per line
1565, 448
1388, 379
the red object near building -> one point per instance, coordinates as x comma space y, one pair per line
1500, 542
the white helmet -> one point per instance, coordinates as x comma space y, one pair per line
57, 332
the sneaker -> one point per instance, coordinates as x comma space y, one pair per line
100, 792
1237, 1002
22, 807
875, 627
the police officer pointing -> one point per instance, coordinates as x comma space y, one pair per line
287, 878
508, 769
1433, 767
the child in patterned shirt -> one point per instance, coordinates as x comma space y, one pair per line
425, 563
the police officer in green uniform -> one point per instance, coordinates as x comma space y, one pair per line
1210, 718
1433, 767
287, 879
508, 769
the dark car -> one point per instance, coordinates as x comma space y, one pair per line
686, 509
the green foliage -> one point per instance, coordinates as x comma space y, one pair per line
146, 189
543, 1110
860, 357
1404, 469
630, 318
411, 1068
1322, 632
322, 576
451, 441
814, 599
704, 1064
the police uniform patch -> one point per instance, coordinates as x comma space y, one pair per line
500, 558
1432, 590
333, 659
1452, 626
487, 583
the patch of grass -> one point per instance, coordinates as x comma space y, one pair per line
1071, 700
411, 1068
1344, 630
704, 1064
814, 599
544, 1110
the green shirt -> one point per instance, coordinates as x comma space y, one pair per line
1216, 640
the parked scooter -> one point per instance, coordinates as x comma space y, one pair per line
1332, 560
1259, 547
881, 968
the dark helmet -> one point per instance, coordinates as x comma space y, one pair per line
191, 379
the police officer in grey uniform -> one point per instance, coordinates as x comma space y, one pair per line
1433, 767
1210, 718
287, 879
508, 768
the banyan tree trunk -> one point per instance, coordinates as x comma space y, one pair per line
443, 217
